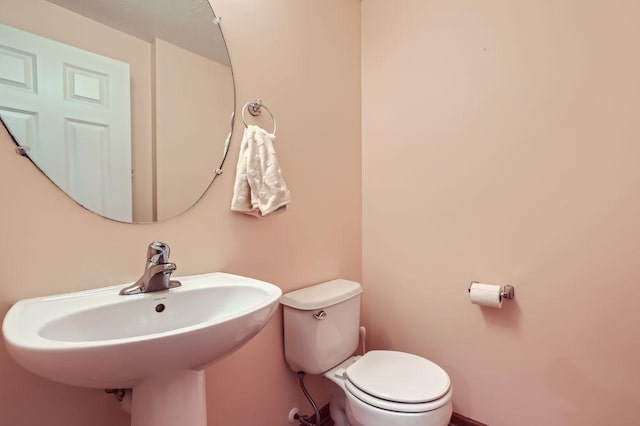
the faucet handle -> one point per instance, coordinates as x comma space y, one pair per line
158, 252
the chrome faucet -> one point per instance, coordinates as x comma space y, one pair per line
157, 273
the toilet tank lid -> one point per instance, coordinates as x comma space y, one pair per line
321, 295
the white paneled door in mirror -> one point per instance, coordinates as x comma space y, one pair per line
74, 106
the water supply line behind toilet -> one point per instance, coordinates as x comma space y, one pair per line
304, 419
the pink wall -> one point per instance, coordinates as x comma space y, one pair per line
309, 75
500, 143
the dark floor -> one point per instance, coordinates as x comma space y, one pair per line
456, 419
330, 423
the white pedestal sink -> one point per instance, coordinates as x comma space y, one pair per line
155, 343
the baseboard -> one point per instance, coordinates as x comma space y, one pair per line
456, 419
460, 420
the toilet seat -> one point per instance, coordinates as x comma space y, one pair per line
398, 381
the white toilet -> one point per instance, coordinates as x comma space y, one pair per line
380, 388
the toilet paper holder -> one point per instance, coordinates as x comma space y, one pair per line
506, 291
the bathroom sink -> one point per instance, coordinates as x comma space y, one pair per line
100, 339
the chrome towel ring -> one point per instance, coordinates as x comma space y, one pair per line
254, 108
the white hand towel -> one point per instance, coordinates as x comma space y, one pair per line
259, 187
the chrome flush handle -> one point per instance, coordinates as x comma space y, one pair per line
320, 315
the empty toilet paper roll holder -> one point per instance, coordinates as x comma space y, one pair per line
506, 291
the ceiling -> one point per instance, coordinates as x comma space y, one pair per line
184, 23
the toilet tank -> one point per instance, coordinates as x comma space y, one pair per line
321, 325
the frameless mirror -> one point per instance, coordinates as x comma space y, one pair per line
126, 105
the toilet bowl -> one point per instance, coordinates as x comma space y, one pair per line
385, 388
379, 388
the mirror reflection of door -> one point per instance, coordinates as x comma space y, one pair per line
70, 109
180, 109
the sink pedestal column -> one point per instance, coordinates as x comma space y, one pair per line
170, 399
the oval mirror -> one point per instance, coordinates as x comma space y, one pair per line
126, 105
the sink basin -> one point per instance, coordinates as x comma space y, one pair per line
100, 339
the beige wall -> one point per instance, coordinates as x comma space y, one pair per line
500, 143
56, 23
308, 74
193, 106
